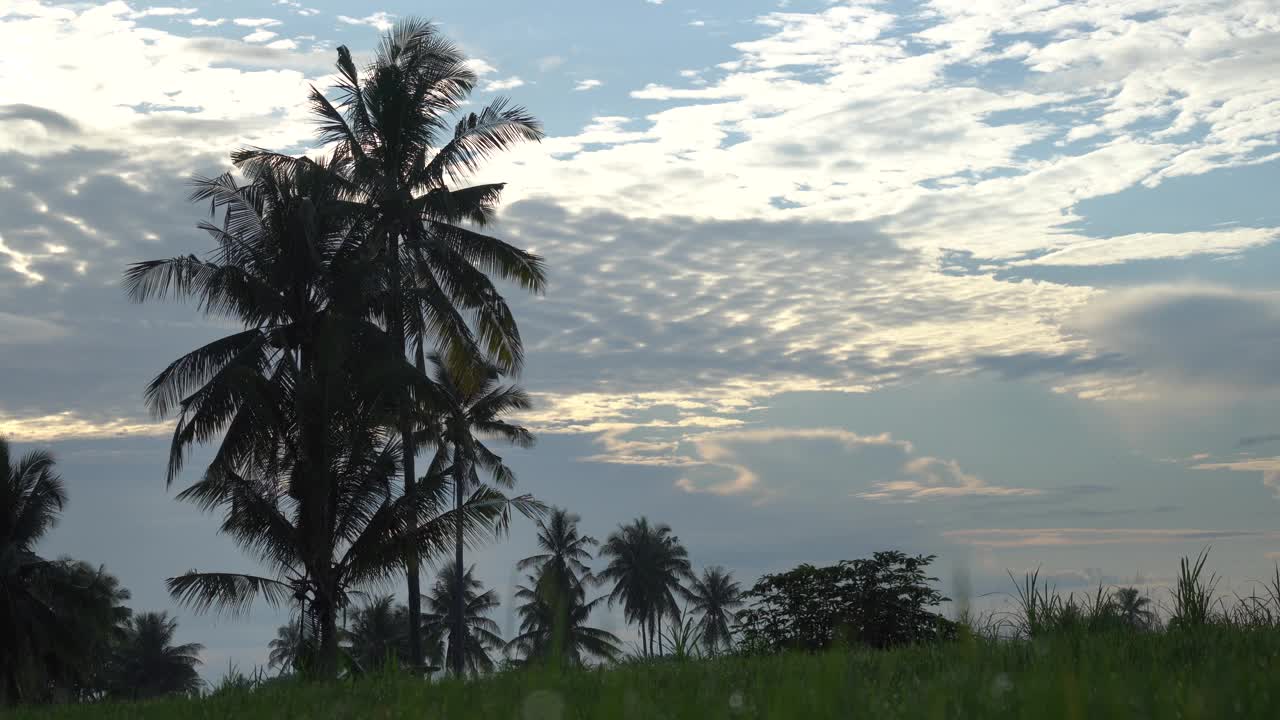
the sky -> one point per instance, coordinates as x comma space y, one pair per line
984, 279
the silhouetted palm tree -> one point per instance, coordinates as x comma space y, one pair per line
1134, 608
714, 596
150, 665
93, 612
303, 400
469, 409
555, 628
379, 634
392, 130
290, 647
646, 565
480, 633
31, 633
564, 552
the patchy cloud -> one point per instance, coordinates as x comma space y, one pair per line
1068, 537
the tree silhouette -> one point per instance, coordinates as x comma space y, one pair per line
646, 566
290, 647
148, 663
555, 629
714, 597
480, 634
1134, 608
379, 634
390, 127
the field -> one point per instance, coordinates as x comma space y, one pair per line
1215, 673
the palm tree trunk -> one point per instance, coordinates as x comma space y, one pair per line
459, 606
660, 650
396, 322
644, 639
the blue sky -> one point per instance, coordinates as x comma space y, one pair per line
985, 279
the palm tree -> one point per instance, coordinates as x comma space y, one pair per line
91, 608
391, 129
303, 400
480, 632
290, 647
378, 634
714, 597
150, 665
564, 552
31, 497
555, 628
470, 408
1134, 608
646, 566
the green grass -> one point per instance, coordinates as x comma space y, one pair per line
1212, 673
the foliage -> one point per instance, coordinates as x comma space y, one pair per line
714, 597
553, 626
149, 665
378, 635
480, 633
879, 602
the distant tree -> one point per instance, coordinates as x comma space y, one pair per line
879, 602
480, 633
379, 634
290, 647
647, 565
554, 629
148, 663
714, 597
1134, 608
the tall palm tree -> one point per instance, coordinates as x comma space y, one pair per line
31, 498
379, 634
469, 409
1134, 608
303, 400
91, 608
555, 628
714, 596
290, 647
480, 633
391, 127
150, 664
646, 565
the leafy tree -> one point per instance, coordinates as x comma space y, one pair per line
554, 628
564, 554
150, 665
399, 162
470, 408
880, 602
1134, 608
480, 633
646, 566
714, 597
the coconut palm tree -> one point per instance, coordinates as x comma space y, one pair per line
480, 632
555, 629
290, 647
564, 552
471, 408
1134, 609
391, 126
31, 633
646, 566
713, 597
150, 665
304, 401
379, 634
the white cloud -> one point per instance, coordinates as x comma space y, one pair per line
380, 20
1268, 467
204, 22
163, 12
283, 44
587, 85
256, 22
258, 36
504, 84
928, 478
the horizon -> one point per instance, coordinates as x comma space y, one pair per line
826, 277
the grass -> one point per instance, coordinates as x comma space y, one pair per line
1216, 672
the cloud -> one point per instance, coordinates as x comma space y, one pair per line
550, 62
1209, 336
1269, 467
258, 36
256, 22
587, 85
928, 478
1071, 537
505, 84
1255, 440
380, 20
163, 12
203, 22
17, 329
